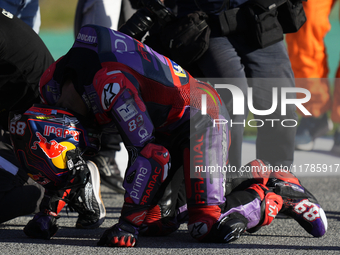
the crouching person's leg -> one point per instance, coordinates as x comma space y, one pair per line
241, 211
214, 217
142, 181
170, 211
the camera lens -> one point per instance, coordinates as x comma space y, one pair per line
137, 26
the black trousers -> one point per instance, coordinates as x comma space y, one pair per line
231, 60
19, 195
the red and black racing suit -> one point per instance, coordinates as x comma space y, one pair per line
155, 106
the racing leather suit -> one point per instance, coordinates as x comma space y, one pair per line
155, 106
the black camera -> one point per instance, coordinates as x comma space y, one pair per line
142, 20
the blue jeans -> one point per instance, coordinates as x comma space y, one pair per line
238, 63
26, 10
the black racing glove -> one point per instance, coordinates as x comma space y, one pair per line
122, 234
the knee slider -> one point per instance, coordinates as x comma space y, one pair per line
157, 225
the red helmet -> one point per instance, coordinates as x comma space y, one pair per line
41, 137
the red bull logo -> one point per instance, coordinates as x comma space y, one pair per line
52, 149
61, 132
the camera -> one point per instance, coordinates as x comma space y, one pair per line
143, 19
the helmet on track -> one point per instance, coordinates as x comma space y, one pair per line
42, 135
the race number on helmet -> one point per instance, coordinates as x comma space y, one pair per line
42, 135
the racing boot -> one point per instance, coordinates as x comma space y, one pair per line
169, 213
87, 200
156, 224
298, 202
243, 210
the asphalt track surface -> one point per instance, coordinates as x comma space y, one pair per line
283, 236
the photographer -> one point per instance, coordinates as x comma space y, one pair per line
236, 58
151, 15
235, 55
23, 59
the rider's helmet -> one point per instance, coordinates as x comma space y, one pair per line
42, 135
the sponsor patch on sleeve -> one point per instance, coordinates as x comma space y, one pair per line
127, 111
178, 70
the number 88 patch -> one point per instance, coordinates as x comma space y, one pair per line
309, 210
